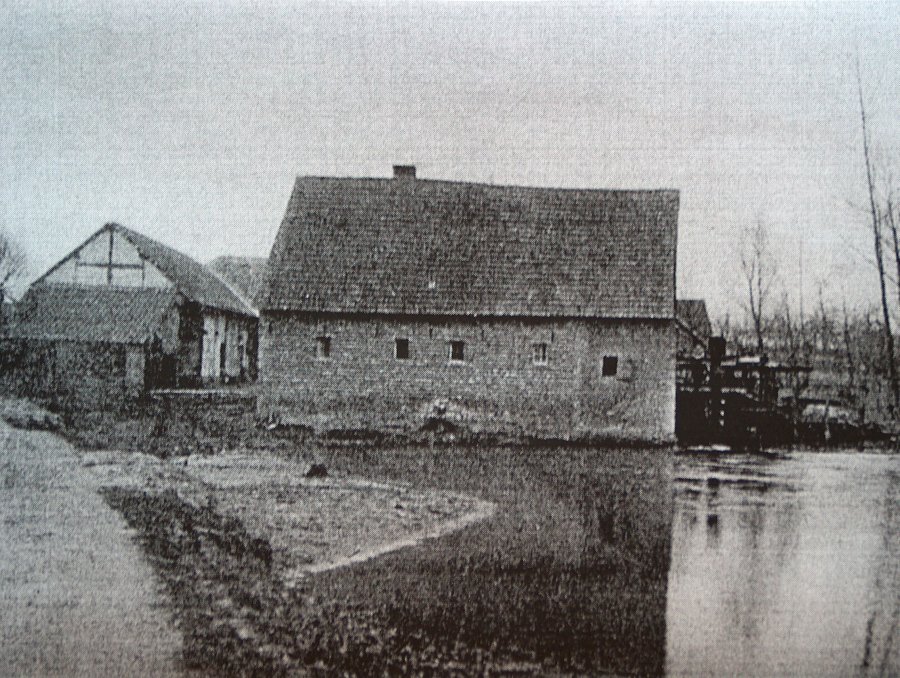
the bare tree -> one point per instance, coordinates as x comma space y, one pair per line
879, 255
12, 263
795, 349
849, 360
760, 272
892, 224
825, 332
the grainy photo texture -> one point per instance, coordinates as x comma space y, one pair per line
449, 339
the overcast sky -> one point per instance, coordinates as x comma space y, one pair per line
188, 121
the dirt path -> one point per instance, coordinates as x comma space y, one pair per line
77, 597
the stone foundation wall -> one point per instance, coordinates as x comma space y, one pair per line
500, 385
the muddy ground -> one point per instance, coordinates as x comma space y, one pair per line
309, 524
567, 577
233, 537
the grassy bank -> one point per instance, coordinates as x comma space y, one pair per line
569, 576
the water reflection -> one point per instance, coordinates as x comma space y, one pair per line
785, 566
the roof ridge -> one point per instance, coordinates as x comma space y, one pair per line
135, 238
63, 260
480, 184
131, 233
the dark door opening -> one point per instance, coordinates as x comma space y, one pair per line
159, 367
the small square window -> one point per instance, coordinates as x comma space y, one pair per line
457, 351
401, 349
323, 347
539, 353
610, 365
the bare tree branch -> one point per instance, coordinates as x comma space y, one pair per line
760, 272
879, 258
12, 263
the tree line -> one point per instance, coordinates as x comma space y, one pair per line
852, 352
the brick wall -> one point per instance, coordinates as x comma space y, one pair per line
498, 386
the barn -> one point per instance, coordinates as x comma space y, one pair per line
121, 314
535, 311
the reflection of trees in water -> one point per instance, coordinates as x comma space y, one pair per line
881, 652
765, 539
737, 527
786, 568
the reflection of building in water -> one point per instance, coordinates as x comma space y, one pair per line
784, 566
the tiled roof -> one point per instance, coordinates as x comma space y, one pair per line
437, 247
246, 276
126, 315
193, 280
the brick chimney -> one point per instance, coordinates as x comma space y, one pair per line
404, 171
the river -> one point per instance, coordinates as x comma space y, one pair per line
785, 566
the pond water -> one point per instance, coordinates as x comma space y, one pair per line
785, 566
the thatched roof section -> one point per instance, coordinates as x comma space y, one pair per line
116, 315
194, 280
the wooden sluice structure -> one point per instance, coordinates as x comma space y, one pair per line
732, 401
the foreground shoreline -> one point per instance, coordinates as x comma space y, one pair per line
568, 576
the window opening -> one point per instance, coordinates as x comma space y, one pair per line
539, 353
610, 365
323, 347
457, 351
401, 349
